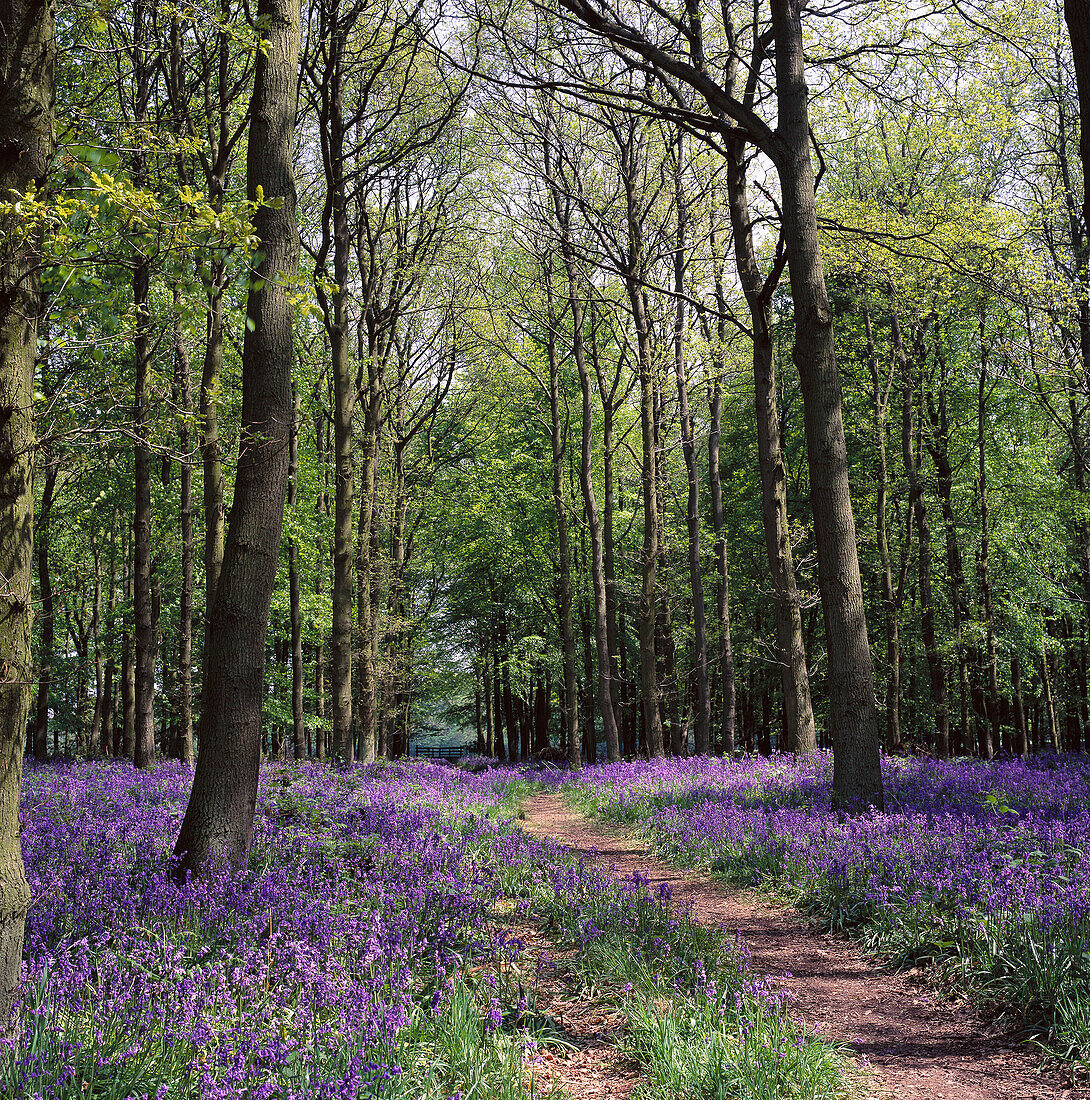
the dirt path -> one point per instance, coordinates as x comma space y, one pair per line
918, 1046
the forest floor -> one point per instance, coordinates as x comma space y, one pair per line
912, 1042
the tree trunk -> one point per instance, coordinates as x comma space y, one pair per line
218, 823
344, 395
560, 505
185, 599
497, 706
321, 433
800, 731
108, 739
1021, 738
918, 506
1077, 16
857, 771
944, 477
489, 747
212, 468
889, 601
144, 749
144, 744
27, 50
609, 570
722, 602
509, 707
989, 745
590, 503
95, 639
702, 735
47, 640
128, 670
299, 740
366, 588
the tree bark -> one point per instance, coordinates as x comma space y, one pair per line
344, 397
47, 639
939, 447
702, 733
857, 770
218, 823
1077, 17
889, 600
1021, 737
144, 628
321, 507
109, 718
918, 505
990, 744
185, 600
590, 503
299, 740
560, 506
800, 731
95, 636
128, 669
728, 714
497, 705
647, 612
27, 56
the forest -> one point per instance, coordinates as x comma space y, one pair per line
669, 420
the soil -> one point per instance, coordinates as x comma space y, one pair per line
913, 1043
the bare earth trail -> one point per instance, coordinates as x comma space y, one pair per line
918, 1045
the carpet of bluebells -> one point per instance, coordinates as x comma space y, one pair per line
358, 955
979, 868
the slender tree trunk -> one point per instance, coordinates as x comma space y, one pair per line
47, 639
144, 750
299, 740
185, 600
990, 745
541, 718
590, 503
489, 709
722, 600
344, 395
497, 705
1021, 738
702, 735
109, 717
94, 637
944, 477
513, 752
367, 602
27, 52
889, 601
321, 433
857, 771
800, 731
560, 505
144, 745
918, 506
218, 823
609, 570
128, 669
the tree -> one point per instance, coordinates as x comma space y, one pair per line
218, 823
27, 59
857, 777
